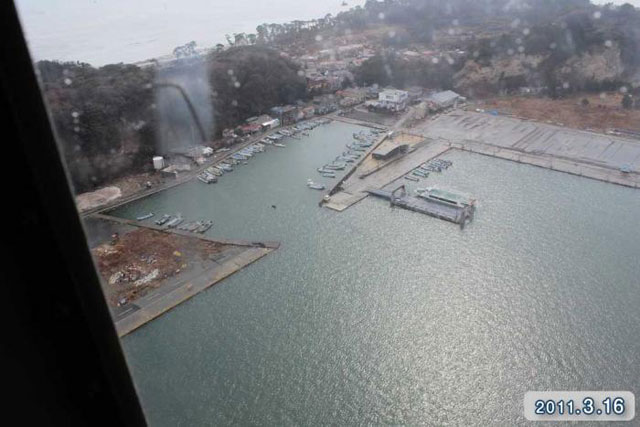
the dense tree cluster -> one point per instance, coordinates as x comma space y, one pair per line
248, 81
388, 69
556, 30
106, 118
103, 117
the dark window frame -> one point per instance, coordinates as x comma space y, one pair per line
63, 360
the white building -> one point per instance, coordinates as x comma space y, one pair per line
393, 99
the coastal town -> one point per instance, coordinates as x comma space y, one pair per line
405, 136
381, 212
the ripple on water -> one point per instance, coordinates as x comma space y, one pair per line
386, 316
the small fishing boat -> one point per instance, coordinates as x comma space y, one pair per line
279, 145
335, 166
204, 226
189, 226
163, 220
315, 186
176, 221
143, 217
207, 178
214, 171
355, 148
411, 178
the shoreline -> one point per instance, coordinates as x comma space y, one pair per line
187, 176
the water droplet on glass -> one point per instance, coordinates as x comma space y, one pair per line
381, 16
526, 31
301, 73
392, 34
476, 54
597, 14
435, 60
75, 114
234, 103
518, 41
237, 84
624, 89
553, 45
450, 61
603, 95
515, 23
451, 31
76, 129
67, 81
608, 43
521, 49
510, 51
565, 85
318, 38
230, 72
455, 22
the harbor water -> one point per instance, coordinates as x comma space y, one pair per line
380, 315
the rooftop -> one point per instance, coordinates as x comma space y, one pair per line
444, 97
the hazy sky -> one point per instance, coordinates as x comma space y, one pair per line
109, 31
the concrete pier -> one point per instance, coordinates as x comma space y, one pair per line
447, 212
355, 188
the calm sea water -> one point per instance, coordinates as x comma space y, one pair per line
107, 32
377, 315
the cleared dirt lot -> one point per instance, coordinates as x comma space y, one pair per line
603, 112
140, 260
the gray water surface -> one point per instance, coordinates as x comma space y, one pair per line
378, 315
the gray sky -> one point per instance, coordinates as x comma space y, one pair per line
109, 31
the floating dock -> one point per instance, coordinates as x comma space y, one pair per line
448, 212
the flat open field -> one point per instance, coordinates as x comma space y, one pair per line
535, 138
603, 112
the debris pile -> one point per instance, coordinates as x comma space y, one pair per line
141, 260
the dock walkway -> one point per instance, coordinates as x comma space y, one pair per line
355, 188
451, 213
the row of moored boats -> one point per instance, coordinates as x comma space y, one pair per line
211, 174
177, 221
355, 150
423, 171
